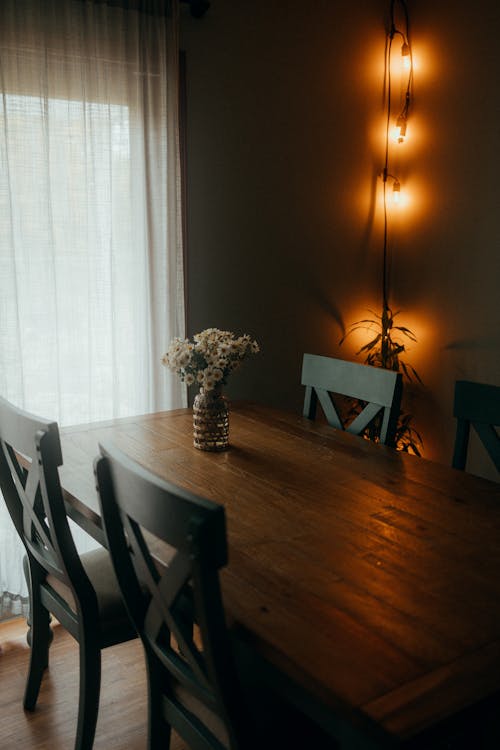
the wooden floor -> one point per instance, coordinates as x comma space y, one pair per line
52, 726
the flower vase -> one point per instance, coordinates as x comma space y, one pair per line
210, 421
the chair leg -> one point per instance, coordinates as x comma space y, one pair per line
158, 730
90, 686
39, 658
39, 638
26, 569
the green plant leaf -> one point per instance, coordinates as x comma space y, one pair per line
406, 332
417, 376
370, 344
384, 351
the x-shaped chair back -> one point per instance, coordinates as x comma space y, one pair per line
175, 604
30, 454
476, 404
379, 390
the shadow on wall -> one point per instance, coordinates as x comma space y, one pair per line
471, 344
320, 300
365, 245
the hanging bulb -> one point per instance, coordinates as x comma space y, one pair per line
396, 191
400, 131
405, 53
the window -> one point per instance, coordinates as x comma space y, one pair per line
91, 272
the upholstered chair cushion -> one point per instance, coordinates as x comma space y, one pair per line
112, 612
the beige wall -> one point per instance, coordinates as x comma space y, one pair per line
285, 142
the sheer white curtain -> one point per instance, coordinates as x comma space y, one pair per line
91, 282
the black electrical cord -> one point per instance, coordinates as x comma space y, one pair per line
406, 41
386, 172
404, 7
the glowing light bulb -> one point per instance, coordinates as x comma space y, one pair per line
396, 192
400, 130
405, 53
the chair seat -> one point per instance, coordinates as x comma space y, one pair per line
112, 613
274, 722
202, 712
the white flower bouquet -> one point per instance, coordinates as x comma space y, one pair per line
209, 358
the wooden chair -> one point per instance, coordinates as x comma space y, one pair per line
478, 405
195, 683
81, 591
379, 389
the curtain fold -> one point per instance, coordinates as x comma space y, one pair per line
91, 277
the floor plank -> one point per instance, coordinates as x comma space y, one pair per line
122, 713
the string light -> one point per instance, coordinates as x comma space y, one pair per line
405, 54
396, 192
396, 186
400, 130
402, 119
397, 126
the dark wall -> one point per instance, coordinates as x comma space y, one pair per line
285, 126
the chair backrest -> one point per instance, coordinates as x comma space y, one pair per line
176, 608
30, 454
379, 389
476, 404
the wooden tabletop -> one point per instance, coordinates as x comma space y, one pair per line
366, 576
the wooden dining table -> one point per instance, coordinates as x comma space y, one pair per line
364, 580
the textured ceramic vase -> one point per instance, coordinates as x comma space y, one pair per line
210, 421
